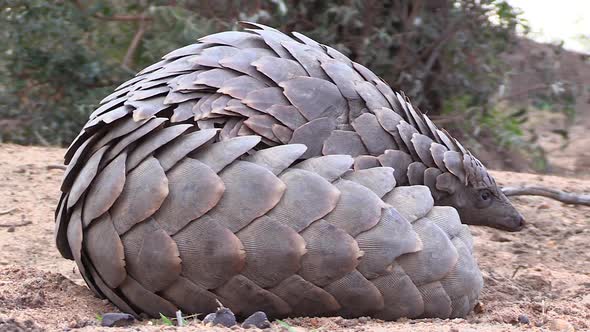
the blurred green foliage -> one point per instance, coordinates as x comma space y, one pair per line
59, 58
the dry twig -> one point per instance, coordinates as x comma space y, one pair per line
24, 223
516, 270
55, 166
7, 211
564, 197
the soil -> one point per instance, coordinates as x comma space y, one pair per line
541, 274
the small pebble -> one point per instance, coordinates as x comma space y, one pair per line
223, 316
347, 322
257, 320
209, 318
523, 319
111, 319
479, 308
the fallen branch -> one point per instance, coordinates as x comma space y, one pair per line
564, 197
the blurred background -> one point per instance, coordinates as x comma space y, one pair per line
509, 78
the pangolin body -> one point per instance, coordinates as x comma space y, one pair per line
270, 173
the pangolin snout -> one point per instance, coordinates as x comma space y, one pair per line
514, 224
521, 223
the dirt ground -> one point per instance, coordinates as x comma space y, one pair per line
542, 272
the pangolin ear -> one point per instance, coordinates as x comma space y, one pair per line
448, 182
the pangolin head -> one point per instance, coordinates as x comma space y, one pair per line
477, 197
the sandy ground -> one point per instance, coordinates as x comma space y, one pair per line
542, 272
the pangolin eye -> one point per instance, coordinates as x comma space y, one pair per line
485, 195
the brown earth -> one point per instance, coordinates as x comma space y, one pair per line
542, 272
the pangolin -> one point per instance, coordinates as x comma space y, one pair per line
270, 172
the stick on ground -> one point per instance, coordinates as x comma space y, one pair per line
24, 223
53, 166
562, 196
3, 212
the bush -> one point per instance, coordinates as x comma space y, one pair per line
60, 58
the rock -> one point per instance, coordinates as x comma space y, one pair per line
479, 308
111, 319
257, 320
523, 319
560, 325
223, 317
209, 318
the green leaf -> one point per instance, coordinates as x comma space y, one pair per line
285, 325
166, 320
